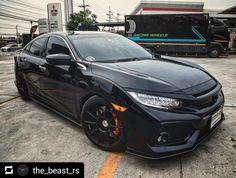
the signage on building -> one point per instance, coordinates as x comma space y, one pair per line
54, 17
43, 26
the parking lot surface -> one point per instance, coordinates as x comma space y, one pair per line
29, 132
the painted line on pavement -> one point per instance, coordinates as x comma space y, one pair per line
6, 101
110, 165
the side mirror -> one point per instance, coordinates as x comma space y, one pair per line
59, 59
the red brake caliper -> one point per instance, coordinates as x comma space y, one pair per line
117, 131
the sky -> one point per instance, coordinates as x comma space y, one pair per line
37, 9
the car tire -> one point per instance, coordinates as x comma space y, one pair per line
21, 85
214, 52
101, 124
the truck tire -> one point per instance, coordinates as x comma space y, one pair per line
214, 52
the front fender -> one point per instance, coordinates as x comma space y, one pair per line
106, 89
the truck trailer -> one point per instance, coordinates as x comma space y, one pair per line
178, 33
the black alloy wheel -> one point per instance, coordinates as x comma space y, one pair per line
21, 85
101, 124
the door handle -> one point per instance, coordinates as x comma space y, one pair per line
43, 69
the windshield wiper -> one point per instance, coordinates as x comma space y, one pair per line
132, 59
123, 60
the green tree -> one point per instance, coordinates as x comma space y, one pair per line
82, 21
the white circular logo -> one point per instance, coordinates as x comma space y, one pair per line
132, 26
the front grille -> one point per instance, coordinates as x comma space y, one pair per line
201, 89
206, 102
205, 91
204, 99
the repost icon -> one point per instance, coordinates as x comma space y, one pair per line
8, 170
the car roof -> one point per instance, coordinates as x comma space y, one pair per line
67, 33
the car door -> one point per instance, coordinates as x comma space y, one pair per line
57, 80
29, 60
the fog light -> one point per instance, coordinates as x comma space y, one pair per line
163, 137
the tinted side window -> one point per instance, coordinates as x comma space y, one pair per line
37, 47
217, 23
56, 45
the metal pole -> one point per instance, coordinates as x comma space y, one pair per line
17, 39
109, 17
118, 18
109, 14
118, 14
84, 8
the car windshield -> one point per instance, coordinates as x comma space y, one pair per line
108, 48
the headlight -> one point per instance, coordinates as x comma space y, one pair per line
155, 101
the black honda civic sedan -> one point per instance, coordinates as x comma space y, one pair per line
124, 97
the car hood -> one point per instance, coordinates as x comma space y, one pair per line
151, 75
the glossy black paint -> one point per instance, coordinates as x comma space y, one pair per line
65, 88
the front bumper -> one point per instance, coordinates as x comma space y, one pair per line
160, 152
155, 134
